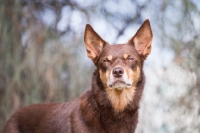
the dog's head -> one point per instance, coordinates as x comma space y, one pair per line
119, 65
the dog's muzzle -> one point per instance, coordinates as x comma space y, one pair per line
118, 79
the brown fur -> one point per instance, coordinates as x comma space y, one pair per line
100, 109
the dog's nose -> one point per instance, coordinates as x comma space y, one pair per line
118, 72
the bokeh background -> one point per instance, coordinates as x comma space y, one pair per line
43, 59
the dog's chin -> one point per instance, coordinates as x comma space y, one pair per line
119, 85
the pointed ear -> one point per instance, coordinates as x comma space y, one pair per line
142, 40
93, 43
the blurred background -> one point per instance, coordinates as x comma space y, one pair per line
43, 59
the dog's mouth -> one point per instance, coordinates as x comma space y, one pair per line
119, 84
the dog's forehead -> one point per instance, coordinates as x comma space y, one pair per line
119, 50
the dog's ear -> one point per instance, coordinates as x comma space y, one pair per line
93, 43
142, 39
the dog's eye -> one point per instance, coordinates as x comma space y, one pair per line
130, 58
105, 60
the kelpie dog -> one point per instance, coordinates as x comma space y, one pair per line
110, 106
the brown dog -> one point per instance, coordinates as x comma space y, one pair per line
111, 106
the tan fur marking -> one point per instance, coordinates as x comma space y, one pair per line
109, 57
125, 56
134, 75
120, 98
101, 45
104, 77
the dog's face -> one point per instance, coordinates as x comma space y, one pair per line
119, 65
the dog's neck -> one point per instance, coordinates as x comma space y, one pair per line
95, 102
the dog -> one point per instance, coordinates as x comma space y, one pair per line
112, 103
